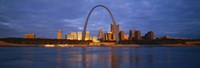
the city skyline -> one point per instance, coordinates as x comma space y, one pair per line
173, 18
108, 36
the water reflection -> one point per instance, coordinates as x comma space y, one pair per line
100, 57
59, 58
107, 58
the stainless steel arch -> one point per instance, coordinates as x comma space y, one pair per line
86, 22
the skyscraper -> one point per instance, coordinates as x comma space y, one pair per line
131, 34
30, 36
100, 34
150, 35
137, 35
87, 35
79, 35
59, 34
112, 26
108, 36
121, 35
74, 35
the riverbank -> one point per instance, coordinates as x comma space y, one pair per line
5, 44
38, 42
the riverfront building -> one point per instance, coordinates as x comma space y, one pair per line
59, 34
131, 34
121, 35
79, 35
100, 34
112, 28
30, 36
137, 35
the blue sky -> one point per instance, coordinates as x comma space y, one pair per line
176, 18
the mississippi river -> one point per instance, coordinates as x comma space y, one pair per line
100, 57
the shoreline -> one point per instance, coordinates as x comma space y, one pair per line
116, 45
6, 44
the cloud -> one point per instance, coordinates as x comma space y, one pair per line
44, 17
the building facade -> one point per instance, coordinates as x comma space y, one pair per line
121, 35
87, 35
112, 28
131, 34
74, 35
137, 35
79, 35
30, 36
69, 37
108, 36
151, 35
59, 34
126, 37
100, 34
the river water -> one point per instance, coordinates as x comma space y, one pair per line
100, 57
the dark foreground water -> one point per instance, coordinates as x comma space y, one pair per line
100, 57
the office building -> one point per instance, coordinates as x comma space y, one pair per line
69, 37
137, 35
149, 36
108, 36
87, 35
30, 36
90, 38
121, 35
79, 35
100, 34
74, 35
126, 37
59, 34
131, 34
105, 37
112, 28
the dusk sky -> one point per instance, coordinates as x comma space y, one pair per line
176, 18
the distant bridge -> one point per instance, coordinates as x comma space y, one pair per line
86, 21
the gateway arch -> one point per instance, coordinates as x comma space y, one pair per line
88, 16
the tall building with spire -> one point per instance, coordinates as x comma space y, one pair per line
112, 28
59, 34
100, 34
